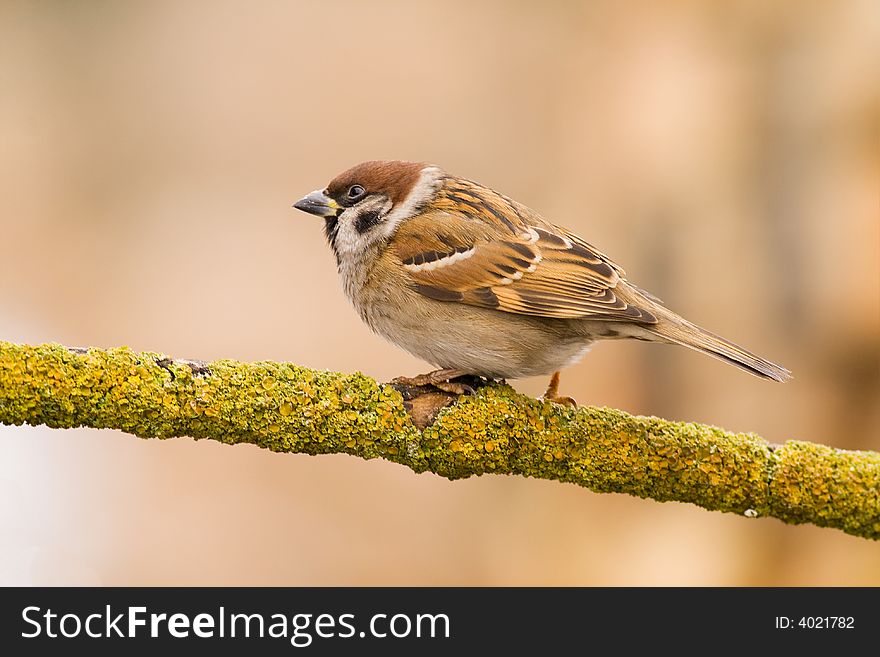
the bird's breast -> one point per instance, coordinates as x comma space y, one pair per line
478, 340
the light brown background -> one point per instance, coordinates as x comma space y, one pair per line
726, 154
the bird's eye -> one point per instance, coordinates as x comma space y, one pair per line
355, 192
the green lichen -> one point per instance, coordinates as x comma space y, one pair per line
286, 408
825, 486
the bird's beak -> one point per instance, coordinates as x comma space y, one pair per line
318, 203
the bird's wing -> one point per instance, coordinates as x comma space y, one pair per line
477, 247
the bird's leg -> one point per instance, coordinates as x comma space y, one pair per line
552, 393
440, 379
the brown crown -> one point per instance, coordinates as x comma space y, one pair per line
394, 178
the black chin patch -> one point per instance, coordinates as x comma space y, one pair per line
366, 220
331, 228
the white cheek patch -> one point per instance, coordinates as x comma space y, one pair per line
445, 261
348, 240
351, 240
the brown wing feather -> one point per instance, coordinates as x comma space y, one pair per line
506, 257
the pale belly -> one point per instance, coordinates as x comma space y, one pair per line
480, 341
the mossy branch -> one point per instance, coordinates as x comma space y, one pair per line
286, 408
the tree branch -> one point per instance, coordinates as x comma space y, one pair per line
286, 408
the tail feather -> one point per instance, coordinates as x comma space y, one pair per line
679, 331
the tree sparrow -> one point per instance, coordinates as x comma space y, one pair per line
475, 283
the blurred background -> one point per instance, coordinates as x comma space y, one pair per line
727, 155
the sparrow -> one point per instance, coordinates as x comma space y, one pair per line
477, 284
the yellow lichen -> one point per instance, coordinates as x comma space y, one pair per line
286, 408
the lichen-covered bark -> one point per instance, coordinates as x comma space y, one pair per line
286, 408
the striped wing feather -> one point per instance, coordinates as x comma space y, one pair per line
478, 247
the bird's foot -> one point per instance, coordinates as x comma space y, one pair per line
552, 393
424, 395
446, 380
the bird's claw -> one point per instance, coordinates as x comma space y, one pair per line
552, 393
